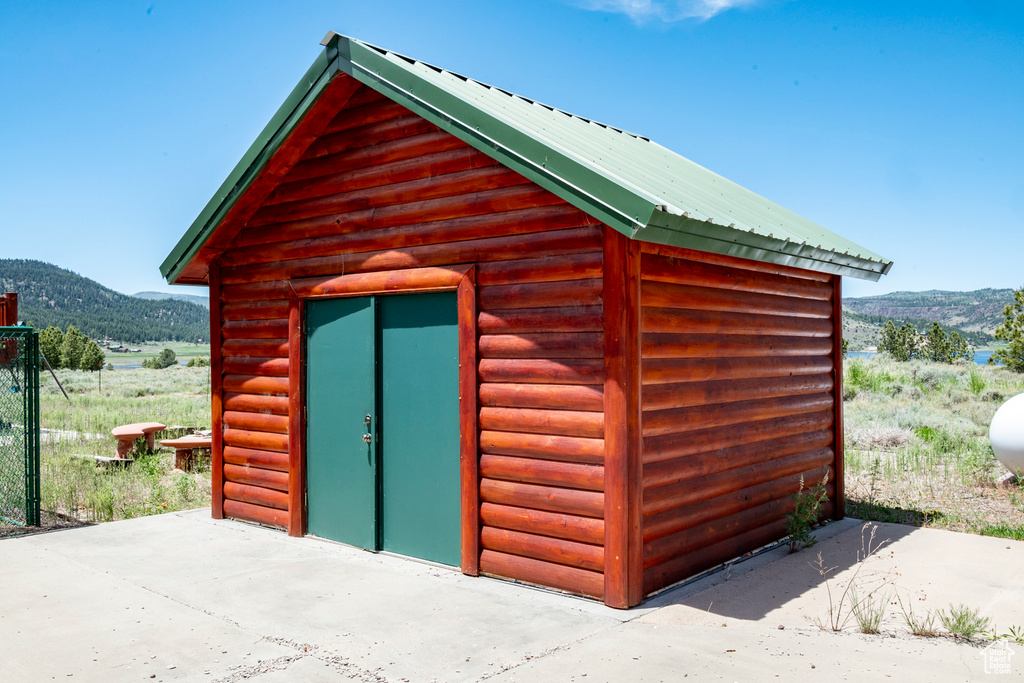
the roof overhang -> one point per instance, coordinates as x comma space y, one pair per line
690, 233
621, 204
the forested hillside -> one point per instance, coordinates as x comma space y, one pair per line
201, 299
977, 311
49, 295
975, 315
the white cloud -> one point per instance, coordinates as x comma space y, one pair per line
667, 11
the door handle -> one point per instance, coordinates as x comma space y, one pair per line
367, 438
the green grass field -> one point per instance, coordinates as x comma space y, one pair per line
183, 350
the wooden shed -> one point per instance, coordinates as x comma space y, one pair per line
456, 324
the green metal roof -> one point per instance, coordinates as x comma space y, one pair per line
633, 184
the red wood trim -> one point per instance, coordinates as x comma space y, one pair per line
9, 309
331, 101
462, 279
296, 420
389, 281
623, 573
468, 427
634, 430
216, 397
837, 357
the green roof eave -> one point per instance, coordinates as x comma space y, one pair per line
681, 231
298, 102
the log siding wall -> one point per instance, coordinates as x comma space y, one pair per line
737, 403
733, 401
382, 189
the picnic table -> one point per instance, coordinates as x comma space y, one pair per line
185, 447
126, 435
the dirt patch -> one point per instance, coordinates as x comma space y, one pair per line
49, 521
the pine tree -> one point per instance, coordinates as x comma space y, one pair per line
937, 345
902, 343
50, 341
1012, 332
889, 343
71, 348
92, 357
959, 349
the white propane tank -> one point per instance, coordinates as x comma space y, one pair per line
1007, 434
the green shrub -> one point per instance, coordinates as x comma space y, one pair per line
932, 377
962, 621
860, 376
166, 359
976, 382
805, 513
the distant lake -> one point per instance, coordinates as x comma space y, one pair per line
980, 357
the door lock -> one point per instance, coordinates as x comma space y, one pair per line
367, 438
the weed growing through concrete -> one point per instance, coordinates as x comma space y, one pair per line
843, 605
919, 625
869, 611
1015, 634
962, 621
805, 513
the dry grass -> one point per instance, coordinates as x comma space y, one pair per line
917, 449
77, 489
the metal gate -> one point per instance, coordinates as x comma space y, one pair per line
19, 426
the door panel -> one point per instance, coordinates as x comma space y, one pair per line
420, 507
341, 468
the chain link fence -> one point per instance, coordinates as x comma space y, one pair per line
19, 426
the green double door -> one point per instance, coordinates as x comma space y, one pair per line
382, 423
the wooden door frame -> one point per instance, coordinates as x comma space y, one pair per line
462, 280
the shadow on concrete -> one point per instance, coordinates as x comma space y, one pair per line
869, 510
750, 589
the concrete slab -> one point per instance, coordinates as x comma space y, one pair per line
927, 568
644, 652
224, 601
64, 619
389, 616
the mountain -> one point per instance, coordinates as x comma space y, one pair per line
49, 295
975, 315
977, 311
203, 300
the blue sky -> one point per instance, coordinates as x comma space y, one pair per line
895, 124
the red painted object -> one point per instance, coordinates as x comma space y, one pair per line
185, 448
127, 434
9, 310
